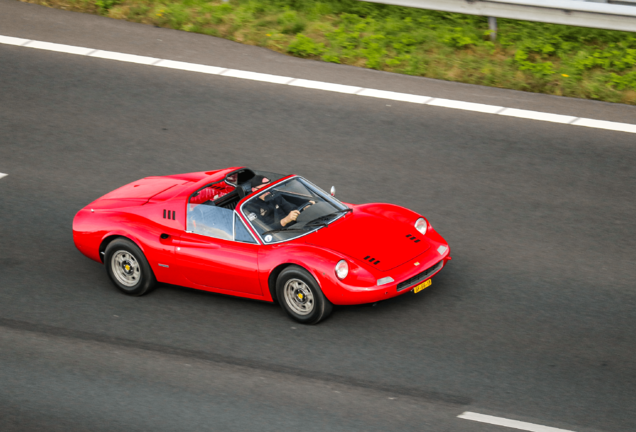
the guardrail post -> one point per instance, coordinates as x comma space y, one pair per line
492, 25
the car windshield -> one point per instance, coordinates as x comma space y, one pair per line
267, 210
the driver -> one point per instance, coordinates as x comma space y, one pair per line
266, 206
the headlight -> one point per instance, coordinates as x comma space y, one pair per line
342, 269
420, 225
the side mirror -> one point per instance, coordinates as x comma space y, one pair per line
333, 191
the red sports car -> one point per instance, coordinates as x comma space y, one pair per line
260, 235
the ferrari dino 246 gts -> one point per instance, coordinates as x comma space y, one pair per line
259, 235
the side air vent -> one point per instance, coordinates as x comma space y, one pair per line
167, 214
371, 260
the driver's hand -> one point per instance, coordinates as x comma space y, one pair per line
291, 217
312, 202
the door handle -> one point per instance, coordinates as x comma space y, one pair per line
164, 236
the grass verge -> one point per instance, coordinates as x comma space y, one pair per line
543, 58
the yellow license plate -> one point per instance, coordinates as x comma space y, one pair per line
423, 285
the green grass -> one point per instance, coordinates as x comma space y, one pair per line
554, 59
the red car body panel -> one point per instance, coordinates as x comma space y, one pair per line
377, 240
218, 263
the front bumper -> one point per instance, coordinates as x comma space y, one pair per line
406, 277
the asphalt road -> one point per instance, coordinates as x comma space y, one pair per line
532, 320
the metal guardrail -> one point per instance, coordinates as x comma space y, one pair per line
569, 12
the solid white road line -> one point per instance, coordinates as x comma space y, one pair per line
255, 76
191, 67
467, 106
128, 58
514, 424
319, 85
8, 40
536, 115
325, 86
402, 97
602, 124
69, 49
3, 175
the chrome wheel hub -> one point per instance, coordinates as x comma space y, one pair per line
125, 268
299, 297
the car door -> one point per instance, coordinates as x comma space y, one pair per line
211, 255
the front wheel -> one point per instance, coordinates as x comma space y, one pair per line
301, 297
128, 268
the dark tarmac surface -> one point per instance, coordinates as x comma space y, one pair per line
532, 320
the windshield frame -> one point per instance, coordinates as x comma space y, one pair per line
327, 197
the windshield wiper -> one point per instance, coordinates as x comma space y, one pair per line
309, 225
327, 216
281, 229
315, 224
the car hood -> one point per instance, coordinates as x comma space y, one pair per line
380, 241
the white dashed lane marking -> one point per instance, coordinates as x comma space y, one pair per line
3, 175
514, 424
325, 86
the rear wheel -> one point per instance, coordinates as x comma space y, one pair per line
128, 268
301, 297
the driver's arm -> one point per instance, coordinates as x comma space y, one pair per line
292, 216
288, 209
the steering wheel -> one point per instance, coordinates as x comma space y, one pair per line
304, 207
300, 209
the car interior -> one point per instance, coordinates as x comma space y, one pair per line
210, 208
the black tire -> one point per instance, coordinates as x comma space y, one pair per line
128, 268
302, 288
